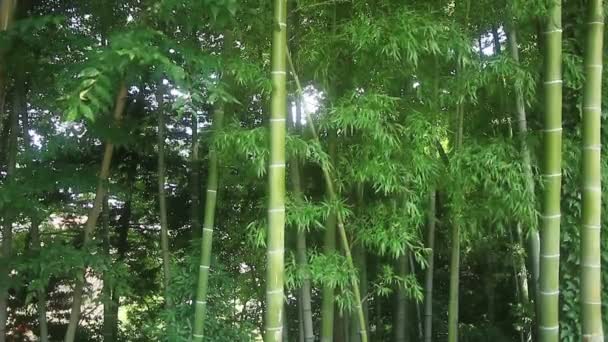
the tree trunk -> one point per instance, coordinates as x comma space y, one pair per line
360, 259
7, 12
416, 303
301, 255
100, 193
7, 217
455, 252
332, 194
455, 231
195, 179
551, 176
35, 231
329, 247
162, 201
209, 218
401, 316
591, 281
522, 272
428, 276
108, 310
276, 178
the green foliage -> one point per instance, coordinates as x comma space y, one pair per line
480, 175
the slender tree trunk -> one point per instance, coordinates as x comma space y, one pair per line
122, 247
209, 218
522, 272
534, 265
35, 231
7, 217
332, 194
455, 231
207, 235
550, 211
7, 12
195, 179
162, 201
591, 280
93, 216
42, 321
276, 178
301, 255
300, 321
379, 321
329, 247
327, 305
360, 259
285, 326
416, 303
428, 276
401, 316
454, 284
108, 310
455, 252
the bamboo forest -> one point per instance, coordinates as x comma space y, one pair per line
303, 170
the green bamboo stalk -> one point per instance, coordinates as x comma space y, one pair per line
455, 231
93, 216
301, 255
200, 310
455, 250
329, 247
454, 286
591, 281
360, 261
522, 130
428, 276
276, 179
332, 194
195, 178
401, 315
207, 235
416, 303
548, 321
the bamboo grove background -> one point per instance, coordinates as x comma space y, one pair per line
310, 170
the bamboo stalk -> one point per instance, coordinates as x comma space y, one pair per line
276, 179
548, 321
339, 219
591, 281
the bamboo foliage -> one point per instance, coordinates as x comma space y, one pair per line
276, 178
591, 284
548, 321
